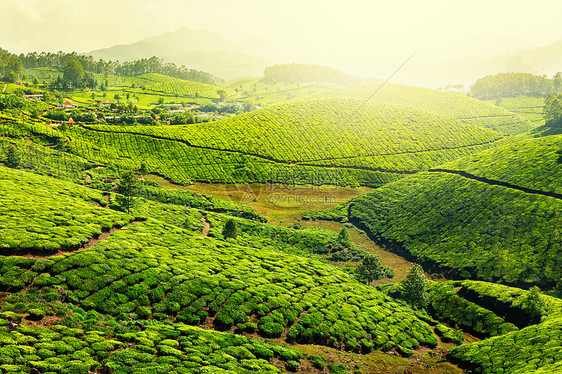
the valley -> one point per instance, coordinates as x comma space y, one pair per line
155, 218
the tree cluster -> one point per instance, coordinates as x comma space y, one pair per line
10, 66
552, 110
515, 84
154, 64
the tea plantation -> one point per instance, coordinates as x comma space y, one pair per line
532, 349
312, 141
189, 283
451, 222
41, 214
532, 163
446, 104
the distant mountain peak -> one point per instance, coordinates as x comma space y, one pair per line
196, 49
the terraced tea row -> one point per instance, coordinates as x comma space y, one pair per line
153, 269
453, 222
534, 349
311, 130
289, 143
532, 163
446, 104
40, 214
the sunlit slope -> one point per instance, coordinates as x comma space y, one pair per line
531, 163
475, 227
298, 137
447, 104
535, 349
157, 270
263, 92
525, 106
42, 214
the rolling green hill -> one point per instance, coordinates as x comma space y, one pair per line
534, 349
500, 223
141, 285
322, 138
524, 106
446, 104
532, 163
46, 215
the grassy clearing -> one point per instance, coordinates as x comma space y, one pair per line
283, 204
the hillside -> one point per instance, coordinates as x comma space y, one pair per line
165, 276
326, 137
446, 104
451, 220
524, 106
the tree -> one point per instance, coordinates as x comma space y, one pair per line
73, 73
371, 269
552, 110
128, 187
13, 157
343, 237
230, 229
533, 304
557, 82
10, 67
222, 94
414, 288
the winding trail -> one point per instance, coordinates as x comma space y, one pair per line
206, 224
498, 183
34, 253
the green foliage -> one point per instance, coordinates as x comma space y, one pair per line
127, 188
447, 104
533, 304
414, 288
12, 156
337, 213
527, 107
73, 73
10, 102
448, 305
187, 278
43, 214
511, 85
343, 237
453, 222
552, 111
10, 67
449, 335
230, 230
533, 349
378, 154
371, 269
530, 163
36, 314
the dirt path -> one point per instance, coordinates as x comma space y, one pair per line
93, 241
206, 225
498, 183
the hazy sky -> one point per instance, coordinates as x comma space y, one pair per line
314, 30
